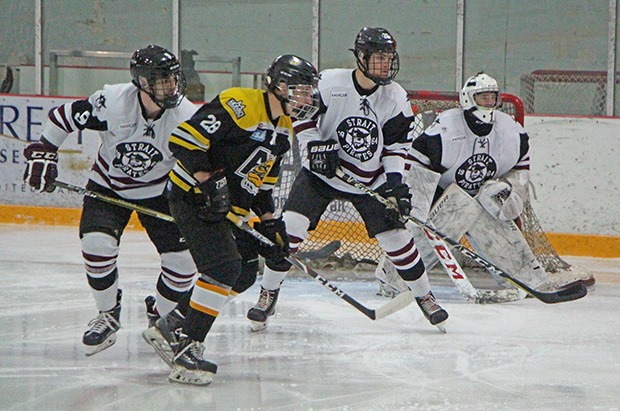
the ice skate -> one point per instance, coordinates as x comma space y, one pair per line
264, 308
103, 328
163, 336
189, 365
436, 315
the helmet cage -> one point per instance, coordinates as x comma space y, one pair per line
376, 40
479, 83
157, 72
294, 82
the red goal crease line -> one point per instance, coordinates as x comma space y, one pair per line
589, 245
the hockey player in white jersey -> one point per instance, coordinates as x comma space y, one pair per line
134, 121
480, 159
363, 127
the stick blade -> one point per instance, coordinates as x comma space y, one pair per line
322, 252
395, 304
570, 292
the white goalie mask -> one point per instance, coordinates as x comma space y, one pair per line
480, 83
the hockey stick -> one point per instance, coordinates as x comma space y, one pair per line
115, 201
398, 303
571, 292
322, 252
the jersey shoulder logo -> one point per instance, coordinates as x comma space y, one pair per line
237, 107
136, 159
474, 171
100, 102
358, 137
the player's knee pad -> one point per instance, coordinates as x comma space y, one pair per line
178, 270
100, 251
402, 252
296, 228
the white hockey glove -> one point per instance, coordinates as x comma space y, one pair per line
499, 199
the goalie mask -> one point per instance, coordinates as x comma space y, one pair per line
375, 52
157, 72
294, 82
480, 83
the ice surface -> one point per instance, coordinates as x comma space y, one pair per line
318, 353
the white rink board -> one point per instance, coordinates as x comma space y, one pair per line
574, 167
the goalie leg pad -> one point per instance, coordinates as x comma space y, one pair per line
452, 214
502, 243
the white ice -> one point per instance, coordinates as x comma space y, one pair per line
318, 353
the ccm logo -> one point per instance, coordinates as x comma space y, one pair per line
321, 149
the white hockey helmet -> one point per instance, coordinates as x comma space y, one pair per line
479, 83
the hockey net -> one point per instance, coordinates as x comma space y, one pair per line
341, 221
566, 92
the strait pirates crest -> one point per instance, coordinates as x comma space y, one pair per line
474, 171
136, 159
358, 137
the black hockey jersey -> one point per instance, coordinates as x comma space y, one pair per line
234, 133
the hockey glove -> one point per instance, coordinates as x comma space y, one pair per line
275, 230
41, 166
499, 199
323, 157
213, 198
399, 195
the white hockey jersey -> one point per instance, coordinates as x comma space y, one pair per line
372, 128
133, 158
450, 148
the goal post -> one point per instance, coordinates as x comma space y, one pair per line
578, 92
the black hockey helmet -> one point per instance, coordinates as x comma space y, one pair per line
300, 80
376, 40
153, 63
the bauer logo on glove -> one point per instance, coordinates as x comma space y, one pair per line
323, 157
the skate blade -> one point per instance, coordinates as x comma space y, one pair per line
256, 326
153, 337
184, 376
94, 349
442, 327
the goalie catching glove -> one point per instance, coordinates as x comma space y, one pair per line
213, 198
41, 166
500, 200
323, 157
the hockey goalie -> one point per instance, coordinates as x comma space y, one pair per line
470, 175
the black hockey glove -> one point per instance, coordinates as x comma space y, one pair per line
275, 230
41, 166
399, 195
323, 157
213, 198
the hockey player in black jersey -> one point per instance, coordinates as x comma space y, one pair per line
363, 127
229, 156
134, 121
